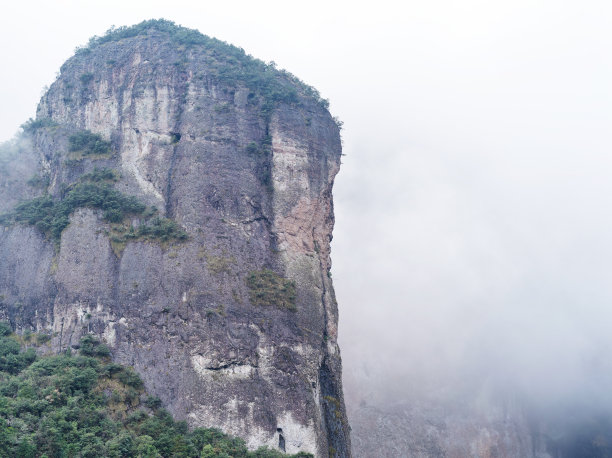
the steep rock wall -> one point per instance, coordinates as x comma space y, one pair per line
252, 188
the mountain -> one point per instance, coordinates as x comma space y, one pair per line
173, 198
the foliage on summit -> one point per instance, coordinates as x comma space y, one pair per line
228, 64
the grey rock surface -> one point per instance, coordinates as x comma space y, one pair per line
439, 430
474, 422
252, 188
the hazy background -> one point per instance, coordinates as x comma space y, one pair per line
473, 241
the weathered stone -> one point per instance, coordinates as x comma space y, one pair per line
251, 187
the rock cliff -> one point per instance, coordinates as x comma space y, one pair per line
426, 429
176, 201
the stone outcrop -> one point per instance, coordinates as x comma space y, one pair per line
243, 158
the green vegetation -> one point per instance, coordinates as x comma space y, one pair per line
175, 137
103, 174
51, 217
87, 143
163, 229
94, 190
337, 407
157, 229
217, 264
228, 63
87, 406
42, 339
222, 108
252, 148
90, 346
37, 181
267, 288
32, 125
86, 78
263, 147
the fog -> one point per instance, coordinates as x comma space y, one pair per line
473, 240
472, 244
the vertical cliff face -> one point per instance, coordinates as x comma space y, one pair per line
235, 325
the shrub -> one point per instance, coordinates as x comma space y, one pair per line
88, 143
153, 402
32, 125
94, 190
88, 344
42, 338
37, 181
91, 346
252, 148
11, 359
86, 78
130, 378
163, 229
102, 350
5, 329
267, 288
98, 175
52, 217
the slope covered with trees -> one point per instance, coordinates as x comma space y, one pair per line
84, 405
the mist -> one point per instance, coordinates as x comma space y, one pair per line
472, 248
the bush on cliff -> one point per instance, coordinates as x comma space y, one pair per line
267, 288
88, 143
86, 406
51, 216
94, 190
32, 125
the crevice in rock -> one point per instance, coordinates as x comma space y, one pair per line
323, 293
333, 413
175, 139
61, 334
169, 206
230, 365
281, 440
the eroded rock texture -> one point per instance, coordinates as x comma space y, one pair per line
248, 176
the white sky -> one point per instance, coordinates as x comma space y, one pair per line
474, 218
